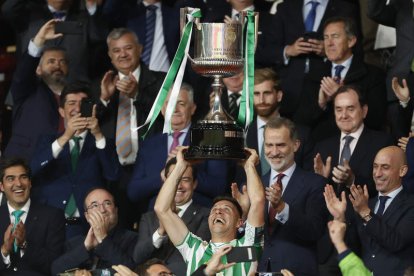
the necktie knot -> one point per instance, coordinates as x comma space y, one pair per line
279, 178
176, 140
234, 96
76, 140
17, 215
151, 8
348, 139
338, 71
59, 14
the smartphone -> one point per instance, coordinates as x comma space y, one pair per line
86, 107
242, 254
311, 35
69, 27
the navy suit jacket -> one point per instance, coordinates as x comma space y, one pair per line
54, 181
288, 26
293, 245
152, 155
45, 236
388, 241
133, 16
408, 180
115, 249
35, 109
196, 220
369, 143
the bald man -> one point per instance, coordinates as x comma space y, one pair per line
386, 222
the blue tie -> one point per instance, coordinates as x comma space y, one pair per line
346, 150
149, 33
310, 19
338, 71
59, 14
381, 208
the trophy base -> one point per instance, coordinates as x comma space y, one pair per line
216, 140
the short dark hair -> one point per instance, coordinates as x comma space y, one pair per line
173, 161
347, 89
232, 201
348, 22
14, 162
141, 270
74, 88
279, 122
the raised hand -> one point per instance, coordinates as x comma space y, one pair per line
45, 33
359, 198
335, 206
108, 85
320, 168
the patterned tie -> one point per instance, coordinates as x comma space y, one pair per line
59, 15
264, 165
272, 211
346, 150
176, 140
338, 71
310, 19
149, 33
17, 214
381, 208
123, 126
233, 104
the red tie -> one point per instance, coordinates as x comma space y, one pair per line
272, 211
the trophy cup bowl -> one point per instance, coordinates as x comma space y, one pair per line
218, 53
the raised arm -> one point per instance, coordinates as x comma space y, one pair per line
174, 226
255, 190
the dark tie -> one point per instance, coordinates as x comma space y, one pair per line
17, 215
233, 104
381, 208
176, 140
149, 33
123, 126
338, 71
59, 14
74, 153
346, 150
272, 211
264, 165
310, 18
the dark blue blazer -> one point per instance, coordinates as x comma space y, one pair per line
54, 180
388, 241
133, 16
45, 236
35, 110
152, 155
408, 180
293, 245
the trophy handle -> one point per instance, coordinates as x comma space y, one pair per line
183, 18
243, 16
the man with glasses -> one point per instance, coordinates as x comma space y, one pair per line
106, 243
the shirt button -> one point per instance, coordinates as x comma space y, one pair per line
64, 202
373, 255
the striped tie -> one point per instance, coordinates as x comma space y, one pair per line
233, 107
123, 126
149, 33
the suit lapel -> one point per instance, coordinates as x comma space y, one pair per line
294, 187
32, 217
359, 151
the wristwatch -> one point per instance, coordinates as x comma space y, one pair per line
24, 245
366, 217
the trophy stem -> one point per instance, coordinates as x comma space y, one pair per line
217, 112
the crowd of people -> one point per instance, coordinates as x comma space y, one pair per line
325, 188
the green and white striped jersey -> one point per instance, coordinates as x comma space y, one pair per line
197, 252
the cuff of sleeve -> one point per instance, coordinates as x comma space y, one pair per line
343, 254
33, 50
101, 143
283, 216
285, 58
56, 149
404, 104
157, 239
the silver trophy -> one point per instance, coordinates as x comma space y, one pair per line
218, 53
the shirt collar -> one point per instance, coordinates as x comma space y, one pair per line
234, 12
355, 134
158, 4
136, 73
260, 123
25, 207
52, 9
184, 207
392, 194
288, 172
184, 130
346, 63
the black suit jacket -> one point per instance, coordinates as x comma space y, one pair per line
45, 236
149, 84
195, 218
369, 79
369, 143
287, 26
388, 241
115, 249
293, 245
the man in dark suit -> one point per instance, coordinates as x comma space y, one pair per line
385, 221
126, 99
267, 98
342, 67
27, 17
398, 14
347, 160
37, 100
156, 150
295, 212
160, 43
105, 245
293, 53
67, 165
32, 235
153, 241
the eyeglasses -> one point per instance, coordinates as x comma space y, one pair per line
106, 204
